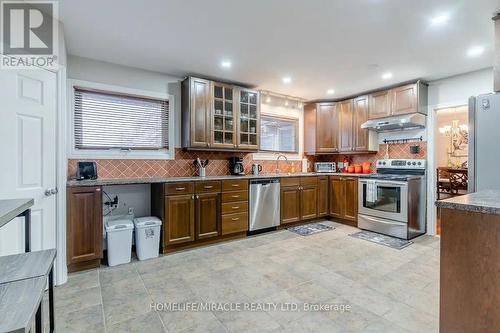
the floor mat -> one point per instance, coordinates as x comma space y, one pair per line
389, 241
310, 229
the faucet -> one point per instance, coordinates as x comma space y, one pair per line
278, 161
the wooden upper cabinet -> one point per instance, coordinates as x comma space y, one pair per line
327, 128
345, 126
218, 116
248, 119
223, 124
200, 106
380, 104
360, 107
84, 224
404, 99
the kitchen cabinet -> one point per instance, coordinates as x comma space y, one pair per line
404, 99
322, 196
344, 198
299, 199
346, 126
409, 98
218, 116
83, 227
196, 111
224, 117
207, 215
249, 119
380, 104
179, 221
321, 128
290, 204
234, 206
360, 115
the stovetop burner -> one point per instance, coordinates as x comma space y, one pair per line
398, 170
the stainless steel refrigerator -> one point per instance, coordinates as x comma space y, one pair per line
484, 142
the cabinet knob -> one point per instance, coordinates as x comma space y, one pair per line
98, 189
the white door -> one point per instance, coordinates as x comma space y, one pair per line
28, 110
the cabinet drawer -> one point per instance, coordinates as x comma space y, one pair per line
234, 185
234, 196
290, 181
208, 186
235, 207
311, 180
234, 223
179, 188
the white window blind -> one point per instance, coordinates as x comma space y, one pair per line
279, 134
107, 120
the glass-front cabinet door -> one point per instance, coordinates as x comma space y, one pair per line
223, 116
248, 130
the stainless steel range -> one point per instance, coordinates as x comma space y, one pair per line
393, 201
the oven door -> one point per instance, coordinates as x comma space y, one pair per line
390, 202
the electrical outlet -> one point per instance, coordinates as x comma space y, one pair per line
131, 211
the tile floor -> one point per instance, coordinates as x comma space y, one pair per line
387, 290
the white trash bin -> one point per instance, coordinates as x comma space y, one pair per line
119, 241
147, 237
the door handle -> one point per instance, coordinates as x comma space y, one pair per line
51, 191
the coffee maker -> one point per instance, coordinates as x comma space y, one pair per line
236, 166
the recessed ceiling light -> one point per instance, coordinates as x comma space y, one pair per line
225, 64
268, 99
475, 51
387, 75
330, 91
440, 19
287, 80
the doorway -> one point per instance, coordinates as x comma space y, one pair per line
451, 132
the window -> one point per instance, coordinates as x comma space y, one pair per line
279, 134
108, 120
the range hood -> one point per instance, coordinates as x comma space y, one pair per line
403, 122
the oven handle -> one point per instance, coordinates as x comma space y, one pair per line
385, 182
374, 219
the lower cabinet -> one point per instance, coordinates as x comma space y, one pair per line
83, 227
179, 219
234, 206
299, 199
191, 216
323, 196
207, 215
344, 198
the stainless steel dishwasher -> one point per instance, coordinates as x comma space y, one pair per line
264, 204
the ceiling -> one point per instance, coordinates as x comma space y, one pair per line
345, 45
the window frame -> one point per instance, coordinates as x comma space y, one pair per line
297, 134
116, 153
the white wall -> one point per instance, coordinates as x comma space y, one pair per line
103, 72
135, 196
449, 92
456, 90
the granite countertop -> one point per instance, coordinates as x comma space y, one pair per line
9, 209
129, 181
487, 202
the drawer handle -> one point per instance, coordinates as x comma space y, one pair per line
208, 186
235, 207
235, 218
180, 188
235, 196
235, 185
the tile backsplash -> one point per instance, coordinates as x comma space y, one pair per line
182, 165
